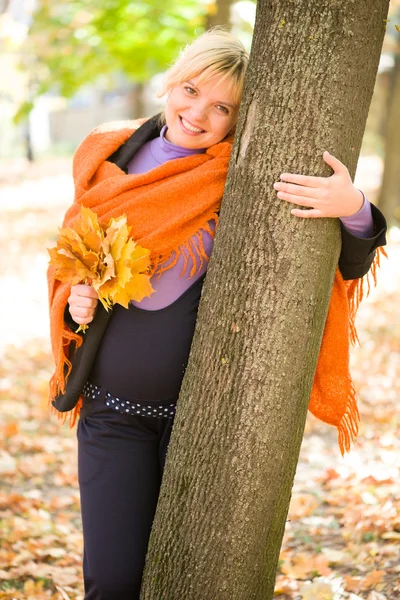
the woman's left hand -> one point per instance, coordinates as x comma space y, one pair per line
333, 196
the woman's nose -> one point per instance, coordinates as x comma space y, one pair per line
199, 112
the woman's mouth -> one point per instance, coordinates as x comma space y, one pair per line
189, 128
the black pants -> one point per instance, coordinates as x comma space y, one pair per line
120, 464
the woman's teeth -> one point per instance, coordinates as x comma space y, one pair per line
190, 127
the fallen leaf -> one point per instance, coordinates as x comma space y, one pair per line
372, 579
317, 591
352, 584
302, 505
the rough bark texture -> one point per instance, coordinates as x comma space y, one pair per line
243, 403
389, 197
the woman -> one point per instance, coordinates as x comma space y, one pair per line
168, 178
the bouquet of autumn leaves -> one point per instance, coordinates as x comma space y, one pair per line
102, 256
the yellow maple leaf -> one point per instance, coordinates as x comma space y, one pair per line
89, 230
139, 260
106, 256
68, 267
116, 236
136, 289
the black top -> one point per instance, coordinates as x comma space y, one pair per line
144, 353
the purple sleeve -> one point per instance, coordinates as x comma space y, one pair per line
361, 224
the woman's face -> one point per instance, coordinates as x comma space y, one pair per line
199, 116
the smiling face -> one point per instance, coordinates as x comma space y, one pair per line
200, 114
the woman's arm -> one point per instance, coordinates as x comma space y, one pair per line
363, 226
358, 253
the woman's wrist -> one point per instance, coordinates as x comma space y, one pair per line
360, 223
361, 201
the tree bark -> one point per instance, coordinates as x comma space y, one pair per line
389, 196
242, 408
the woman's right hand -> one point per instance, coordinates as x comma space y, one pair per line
82, 301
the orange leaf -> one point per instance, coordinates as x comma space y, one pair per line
353, 584
10, 429
372, 579
302, 505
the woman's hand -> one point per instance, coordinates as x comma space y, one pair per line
82, 302
333, 196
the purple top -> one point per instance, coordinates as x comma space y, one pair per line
361, 224
170, 285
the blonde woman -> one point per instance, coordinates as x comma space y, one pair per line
167, 174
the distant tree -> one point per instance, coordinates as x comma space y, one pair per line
4, 5
389, 196
220, 14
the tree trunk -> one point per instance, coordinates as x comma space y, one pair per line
389, 196
4, 6
220, 14
242, 408
136, 101
28, 142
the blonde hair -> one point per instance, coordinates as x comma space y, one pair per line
215, 52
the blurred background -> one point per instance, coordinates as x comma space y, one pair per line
66, 67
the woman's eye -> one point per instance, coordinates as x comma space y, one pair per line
190, 90
223, 109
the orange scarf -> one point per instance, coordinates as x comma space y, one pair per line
166, 207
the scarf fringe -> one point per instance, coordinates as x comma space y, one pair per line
58, 381
64, 365
358, 289
72, 415
348, 426
193, 249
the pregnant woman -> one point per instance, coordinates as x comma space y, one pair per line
167, 174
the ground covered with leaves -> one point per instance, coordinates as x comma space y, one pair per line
342, 538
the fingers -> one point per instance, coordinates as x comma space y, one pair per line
82, 314
305, 180
306, 214
300, 200
83, 295
331, 196
82, 289
337, 166
315, 182
82, 302
290, 188
80, 298
81, 320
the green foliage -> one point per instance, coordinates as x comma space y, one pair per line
23, 110
77, 42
